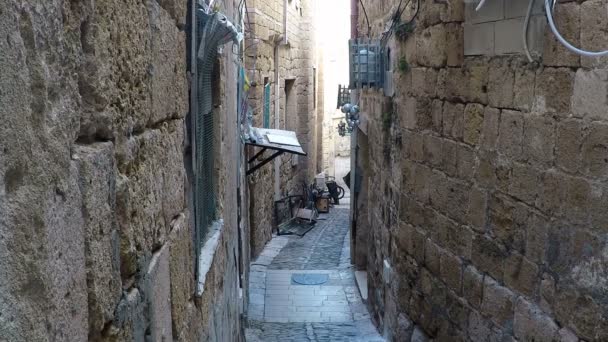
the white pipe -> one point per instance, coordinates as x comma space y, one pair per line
525, 31
549, 10
480, 5
277, 121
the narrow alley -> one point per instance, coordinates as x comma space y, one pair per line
304, 170
281, 309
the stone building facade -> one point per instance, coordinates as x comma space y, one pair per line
287, 56
487, 177
96, 238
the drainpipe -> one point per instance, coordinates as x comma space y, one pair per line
354, 18
281, 40
354, 99
277, 121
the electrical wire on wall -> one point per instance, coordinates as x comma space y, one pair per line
369, 27
397, 20
549, 9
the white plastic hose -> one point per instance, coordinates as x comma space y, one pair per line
549, 10
525, 31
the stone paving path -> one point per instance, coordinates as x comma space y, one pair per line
281, 310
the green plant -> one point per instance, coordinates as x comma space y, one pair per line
403, 31
387, 121
403, 65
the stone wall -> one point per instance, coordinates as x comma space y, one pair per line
95, 235
488, 184
296, 62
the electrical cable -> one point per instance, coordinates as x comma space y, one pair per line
549, 10
369, 28
525, 31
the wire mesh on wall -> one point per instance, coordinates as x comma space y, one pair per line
366, 60
214, 30
343, 96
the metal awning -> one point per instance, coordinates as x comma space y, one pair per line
276, 140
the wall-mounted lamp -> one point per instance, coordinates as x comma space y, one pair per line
351, 115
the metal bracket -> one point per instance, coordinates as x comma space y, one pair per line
262, 163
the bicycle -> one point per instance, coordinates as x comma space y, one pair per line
336, 192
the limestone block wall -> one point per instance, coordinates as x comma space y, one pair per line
96, 241
296, 64
488, 184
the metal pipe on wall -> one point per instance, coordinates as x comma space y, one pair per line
277, 104
354, 19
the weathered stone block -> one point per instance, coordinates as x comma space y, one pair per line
507, 220
536, 238
116, 102
553, 91
523, 90
98, 185
437, 116
488, 256
168, 85
465, 163
453, 120
489, 129
476, 81
177, 9
181, 267
531, 324
521, 275
454, 42
511, 132
501, 82
578, 200
150, 192
158, 293
567, 18
431, 47
568, 146
478, 204
595, 151
590, 97
432, 257
547, 293
472, 286
539, 140
482, 329
451, 271
524, 183
424, 82
473, 122
591, 35
453, 11
498, 302
130, 321
432, 150
486, 171
552, 195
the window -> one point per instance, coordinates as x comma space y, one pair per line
267, 89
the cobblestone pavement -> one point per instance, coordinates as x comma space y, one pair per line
319, 249
281, 310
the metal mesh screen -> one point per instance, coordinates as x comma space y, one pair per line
267, 106
213, 30
366, 59
204, 161
343, 96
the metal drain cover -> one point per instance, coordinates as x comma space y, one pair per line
309, 279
